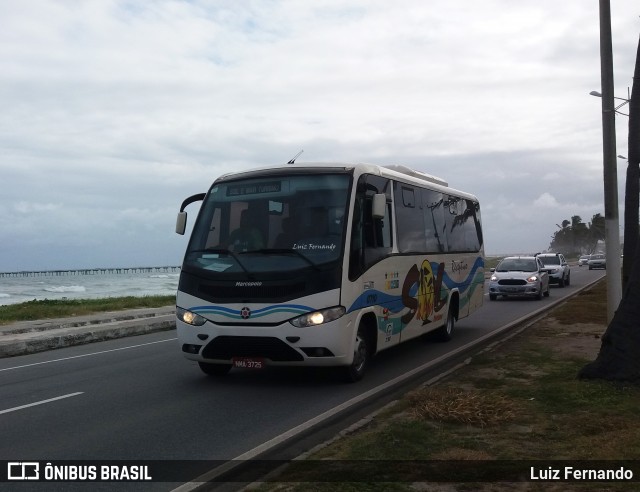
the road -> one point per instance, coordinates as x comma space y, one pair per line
139, 399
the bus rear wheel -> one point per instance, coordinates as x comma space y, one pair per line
214, 369
361, 357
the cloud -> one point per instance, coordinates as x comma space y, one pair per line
34, 207
114, 112
546, 200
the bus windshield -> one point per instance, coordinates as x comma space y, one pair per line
270, 224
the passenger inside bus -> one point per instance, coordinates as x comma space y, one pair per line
316, 226
288, 236
247, 237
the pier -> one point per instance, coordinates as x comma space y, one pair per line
92, 271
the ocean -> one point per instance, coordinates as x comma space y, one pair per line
15, 289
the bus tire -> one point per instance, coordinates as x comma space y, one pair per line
361, 357
445, 332
214, 369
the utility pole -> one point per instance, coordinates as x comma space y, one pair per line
612, 229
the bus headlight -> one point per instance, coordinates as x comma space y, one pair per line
190, 317
318, 317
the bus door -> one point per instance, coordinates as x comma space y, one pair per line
374, 280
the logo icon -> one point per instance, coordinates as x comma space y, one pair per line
23, 470
245, 312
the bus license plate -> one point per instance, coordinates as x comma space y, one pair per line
248, 362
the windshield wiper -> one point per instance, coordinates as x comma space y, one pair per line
284, 251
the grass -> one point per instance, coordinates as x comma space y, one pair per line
47, 309
520, 400
491, 262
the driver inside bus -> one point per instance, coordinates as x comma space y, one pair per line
247, 237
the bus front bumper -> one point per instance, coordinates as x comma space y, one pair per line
329, 344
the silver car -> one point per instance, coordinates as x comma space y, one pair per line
519, 276
597, 261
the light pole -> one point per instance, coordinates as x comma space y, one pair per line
611, 218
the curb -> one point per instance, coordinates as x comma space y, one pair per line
38, 336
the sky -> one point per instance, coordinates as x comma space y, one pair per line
114, 111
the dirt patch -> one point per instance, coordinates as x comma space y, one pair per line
578, 340
446, 404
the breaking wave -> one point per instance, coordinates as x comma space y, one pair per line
65, 288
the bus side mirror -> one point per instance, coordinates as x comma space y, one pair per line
379, 206
181, 223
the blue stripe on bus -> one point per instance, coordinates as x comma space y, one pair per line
235, 313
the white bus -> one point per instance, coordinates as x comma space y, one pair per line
325, 265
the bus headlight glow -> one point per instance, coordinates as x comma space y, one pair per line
190, 317
318, 317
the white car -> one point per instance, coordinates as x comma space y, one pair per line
558, 268
583, 260
519, 276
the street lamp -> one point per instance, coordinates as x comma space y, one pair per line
615, 110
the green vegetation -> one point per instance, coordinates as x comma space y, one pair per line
519, 400
47, 309
575, 237
491, 262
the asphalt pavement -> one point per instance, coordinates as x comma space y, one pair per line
27, 337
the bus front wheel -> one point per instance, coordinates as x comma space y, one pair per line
361, 355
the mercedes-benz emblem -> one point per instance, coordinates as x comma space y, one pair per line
245, 312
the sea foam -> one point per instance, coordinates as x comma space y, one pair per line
66, 288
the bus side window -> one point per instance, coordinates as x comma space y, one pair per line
463, 225
434, 221
410, 220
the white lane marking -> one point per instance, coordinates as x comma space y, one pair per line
87, 355
41, 402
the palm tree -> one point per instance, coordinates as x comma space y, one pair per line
619, 356
596, 232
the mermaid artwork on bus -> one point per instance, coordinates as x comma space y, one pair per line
325, 265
